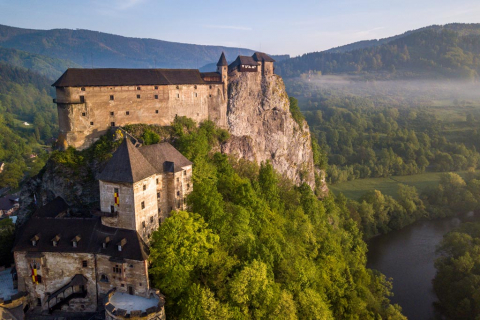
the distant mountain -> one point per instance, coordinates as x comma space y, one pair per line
112, 51
49, 67
451, 50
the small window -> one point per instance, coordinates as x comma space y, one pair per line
112, 113
178, 193
143, 224
210, 86
157, 180
138, 88
123, 285
127, 113
112, 124
84, 263
75, 244
140, 284
196, 95
112, 97
91, 123
178, 179
138, 96
210, 95
178, 95
156, 111
188, 185
117, 269
178, 87
39, 302
131, 266
83, 114
185, 172
156, 96
82, 99
143, 204
158, 195
104, 278
159, 210
144, 187
156, 87
115, 190
195, 87
83, 89
151, 219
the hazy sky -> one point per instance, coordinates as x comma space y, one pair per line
276, 27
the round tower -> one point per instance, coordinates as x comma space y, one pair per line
222, 68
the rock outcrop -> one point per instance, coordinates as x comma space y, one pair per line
262, 127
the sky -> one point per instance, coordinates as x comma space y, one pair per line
278, 27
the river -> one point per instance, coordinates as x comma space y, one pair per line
407, 256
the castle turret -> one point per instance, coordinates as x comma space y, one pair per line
222, 68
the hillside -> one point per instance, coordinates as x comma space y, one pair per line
451, 51
25, 96
108, 50
49, 67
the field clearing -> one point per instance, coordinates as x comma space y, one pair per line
356, 188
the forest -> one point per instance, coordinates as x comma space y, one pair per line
25, 96
429, 53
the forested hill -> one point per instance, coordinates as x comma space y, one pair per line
451, 51
108, 50
49, 67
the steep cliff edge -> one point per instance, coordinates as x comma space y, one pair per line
262, 127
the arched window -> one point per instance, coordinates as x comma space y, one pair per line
104, 278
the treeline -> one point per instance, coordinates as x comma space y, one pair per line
255, 246
457, 281
24, 97
364, 138
376, 213
444, 53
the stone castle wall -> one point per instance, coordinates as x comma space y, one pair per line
85, 113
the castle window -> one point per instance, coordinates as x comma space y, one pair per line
35, 240
55, 240
195, 86
157, 180
104, 278
188, 185
117, 269
138, 96
127, 113
156, 87
185, 172
210, 86
112, 124
178, 95
112, 113
196, 95
75, 241
156, 111
178, 87
140, 284
156, 96
178, 193
83, 114
115, 190
178, 180
82, 99
84, 263
91, 123
121, 244
159, 210
158, 195
138, 88
144, 187
39, 302
131, 266
143, 204
112, 97
83, 89
151, 219
143, 224
210, 95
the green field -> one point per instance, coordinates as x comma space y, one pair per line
356, 188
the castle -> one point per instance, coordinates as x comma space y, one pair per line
89, 101
84, 264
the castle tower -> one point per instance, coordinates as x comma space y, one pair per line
128, 192
222, 68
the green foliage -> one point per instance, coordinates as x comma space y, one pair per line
296, 113
258, 247
457, 282
7, 237
150, 137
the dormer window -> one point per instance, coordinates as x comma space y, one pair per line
55, 240
35, 239
121, 244
75, 241
105, 242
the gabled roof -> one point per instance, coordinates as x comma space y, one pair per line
158, 154
74, 77
243, 60
8, 202
91, 232
260, 56
127, 165
52, 209
222, 61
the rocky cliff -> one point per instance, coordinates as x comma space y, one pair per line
262, 127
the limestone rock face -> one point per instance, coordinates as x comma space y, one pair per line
262, 127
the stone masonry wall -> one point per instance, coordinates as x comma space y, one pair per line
126, 210
57, 269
